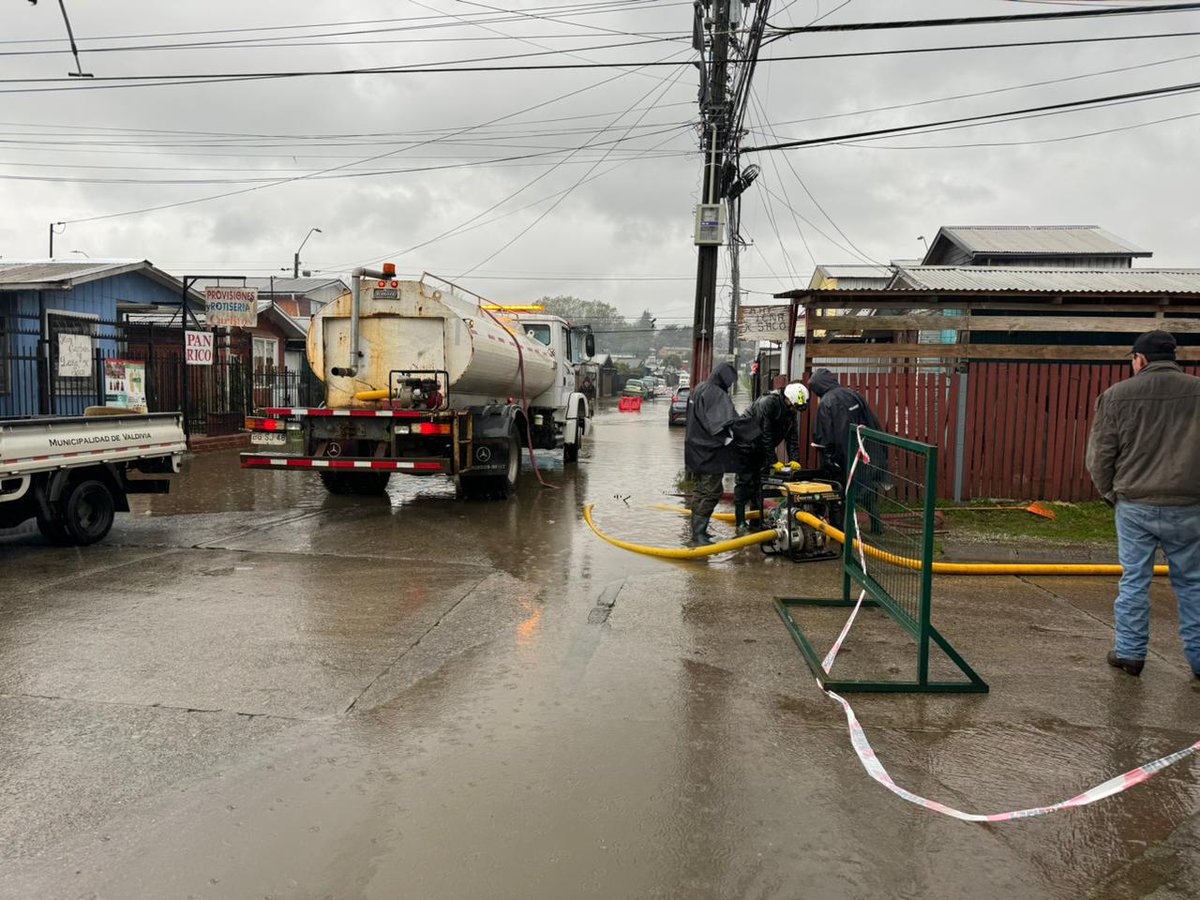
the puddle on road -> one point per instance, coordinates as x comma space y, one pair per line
630, 463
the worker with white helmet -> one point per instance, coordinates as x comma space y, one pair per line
769, 422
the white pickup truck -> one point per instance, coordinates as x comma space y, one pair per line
72, 474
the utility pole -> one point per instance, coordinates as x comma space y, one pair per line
715, 109
735, 276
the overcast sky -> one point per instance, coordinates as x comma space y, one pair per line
601, 205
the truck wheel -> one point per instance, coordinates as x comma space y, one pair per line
88, 512
506, 484
365, 484
54, 531
571, 451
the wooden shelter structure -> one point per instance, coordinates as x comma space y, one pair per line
1000, 367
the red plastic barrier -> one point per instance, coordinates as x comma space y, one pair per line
630, 404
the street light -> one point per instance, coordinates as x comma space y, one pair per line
53, 231
296, 258
81, 253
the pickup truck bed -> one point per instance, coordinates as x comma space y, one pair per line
71, 474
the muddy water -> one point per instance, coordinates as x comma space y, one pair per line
484, 700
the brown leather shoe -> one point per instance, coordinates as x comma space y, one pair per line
1129, 666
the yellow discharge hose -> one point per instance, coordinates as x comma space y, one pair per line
372, 395
748, 540
943, 568
939, 568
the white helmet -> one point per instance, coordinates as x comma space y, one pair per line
796, 394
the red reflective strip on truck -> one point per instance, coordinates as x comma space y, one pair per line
382, 413
296, 462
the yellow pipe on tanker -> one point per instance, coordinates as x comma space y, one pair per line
372, 395
748, 540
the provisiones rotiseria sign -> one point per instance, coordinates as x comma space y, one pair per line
232, 306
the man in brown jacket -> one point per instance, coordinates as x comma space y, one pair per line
1144, 458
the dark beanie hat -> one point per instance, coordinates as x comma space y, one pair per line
1155, 345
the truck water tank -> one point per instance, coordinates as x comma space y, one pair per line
414, 326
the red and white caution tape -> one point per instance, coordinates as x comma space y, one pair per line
870, 762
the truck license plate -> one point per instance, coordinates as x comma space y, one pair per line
266, 437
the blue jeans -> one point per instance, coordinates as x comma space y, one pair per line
1141, 530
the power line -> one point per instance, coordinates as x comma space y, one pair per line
320, 176
664, 87
377, 157
295, 44
993, 91
177, 79
573, 9
1031, 141
990, 20
310, 136
853, 248
1047, 108
474, 222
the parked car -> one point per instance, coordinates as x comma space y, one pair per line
634, 388
677, 414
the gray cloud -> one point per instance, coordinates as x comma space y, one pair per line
633, 222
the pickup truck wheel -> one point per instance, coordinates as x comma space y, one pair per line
88, 512
54, 531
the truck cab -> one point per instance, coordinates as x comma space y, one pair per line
571, 347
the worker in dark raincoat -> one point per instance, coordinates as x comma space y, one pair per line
770, 421
708, 450
839, 409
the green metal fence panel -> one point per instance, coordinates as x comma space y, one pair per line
889, 526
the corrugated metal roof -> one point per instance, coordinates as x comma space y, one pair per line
856, 271
53, 274
19, 275
280, 285
1057, 281
1039, 239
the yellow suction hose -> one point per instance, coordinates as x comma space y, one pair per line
372, 395
749, 540
939, 568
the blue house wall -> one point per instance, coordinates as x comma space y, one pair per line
25, 331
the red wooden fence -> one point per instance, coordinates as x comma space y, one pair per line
1025, 427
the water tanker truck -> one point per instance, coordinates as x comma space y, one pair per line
425, 378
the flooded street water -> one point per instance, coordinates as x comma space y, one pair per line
256, 689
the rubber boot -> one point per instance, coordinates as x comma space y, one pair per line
700, 531
739, 519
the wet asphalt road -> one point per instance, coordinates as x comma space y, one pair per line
253, 689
